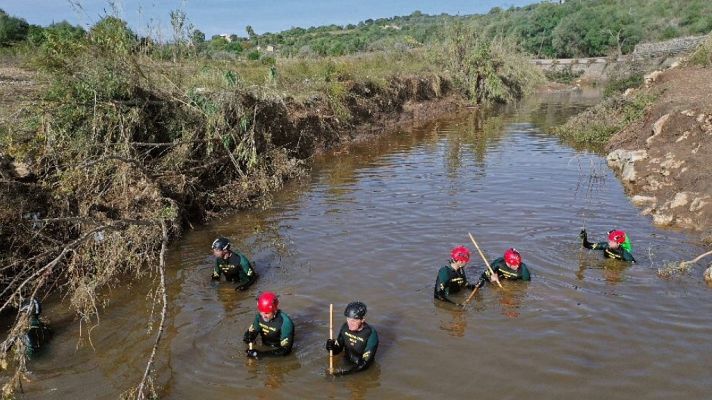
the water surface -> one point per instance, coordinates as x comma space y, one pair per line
374, 223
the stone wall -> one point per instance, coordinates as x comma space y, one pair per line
646, 57
668, 47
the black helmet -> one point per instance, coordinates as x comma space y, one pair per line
221, 243
355, 310
31, 306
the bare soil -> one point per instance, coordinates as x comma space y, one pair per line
672, 182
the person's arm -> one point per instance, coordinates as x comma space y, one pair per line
441, 289
468, 284
525, 273
366, 359
216, 270
336, 345
247, 274
489, 277
593, 246
252, 332
286, 340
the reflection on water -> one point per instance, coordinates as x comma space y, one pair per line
375, 224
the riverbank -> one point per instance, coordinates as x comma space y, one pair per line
662, 157
655, 136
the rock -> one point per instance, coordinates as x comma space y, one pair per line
652, 77
624, 160
675, 64
698, 203
628, 92
708, 274
658, 128
701, 118
640, 200
688, 113
647, 211
680, 199
682, 137
660, 218
671, 163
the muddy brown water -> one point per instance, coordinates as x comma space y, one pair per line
374, 223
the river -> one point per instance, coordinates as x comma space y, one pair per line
374, 222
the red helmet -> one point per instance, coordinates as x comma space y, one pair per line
267, 302
512, 257
460, 253
617, 236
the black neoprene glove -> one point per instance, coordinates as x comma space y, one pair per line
249, 336
330, 345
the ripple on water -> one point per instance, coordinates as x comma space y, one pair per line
377, 223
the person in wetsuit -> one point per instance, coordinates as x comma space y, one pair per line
38, 332
451, 278
235, 266
357, 339
618, 246
273, 326
510, 267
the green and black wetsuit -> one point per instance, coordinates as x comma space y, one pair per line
499, 266
277, 333
450, 281
619, 253
237, 268
360, 347
37, 334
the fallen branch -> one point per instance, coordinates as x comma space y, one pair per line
141, 395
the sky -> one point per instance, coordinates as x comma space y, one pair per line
231, 16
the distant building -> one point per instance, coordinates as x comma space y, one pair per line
226, 37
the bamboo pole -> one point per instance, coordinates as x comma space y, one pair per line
483, 256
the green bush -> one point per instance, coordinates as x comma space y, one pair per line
702, 56
566, 75
254, 55
620, 85
486, 71
12, 29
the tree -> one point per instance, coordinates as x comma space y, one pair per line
197, 38
250, 32
12, 29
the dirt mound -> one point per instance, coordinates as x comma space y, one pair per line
664, 158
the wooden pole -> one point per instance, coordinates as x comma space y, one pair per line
471, 296
331, 336
483, 256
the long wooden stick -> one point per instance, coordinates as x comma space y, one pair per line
471, 296
483, 256
331, 336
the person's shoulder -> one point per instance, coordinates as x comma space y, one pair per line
285, 316
497, 261
371, 330
444, 270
